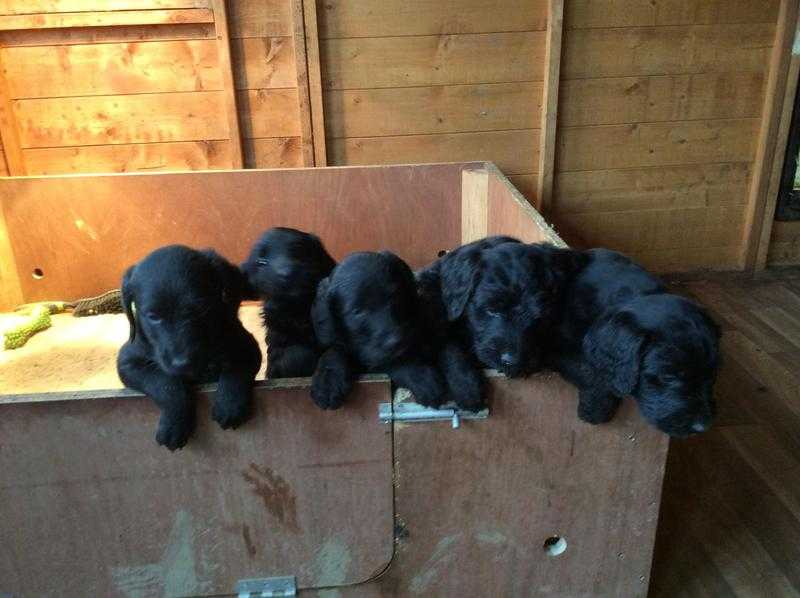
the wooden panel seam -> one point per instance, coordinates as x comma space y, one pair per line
226, 69
301, 66
9, 130
547, 150
314, 82
105, 18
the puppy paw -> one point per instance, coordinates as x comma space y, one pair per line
329, 389
473, 403
230, 414
173, 433
594, 409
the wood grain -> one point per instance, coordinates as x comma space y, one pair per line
303, 95
274, 152
108, 69
432, 60
229, 91
269, 113
105, 18
634, 51
784, 246
103, 120
10, 289
654, 144
263, 62
513, 151
12, 7
9, 128
447, 109
106, 35
260, 18
386, 18
311, 34
474, 205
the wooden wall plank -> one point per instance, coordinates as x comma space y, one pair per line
3, 165
438, 109
9, 128
552, 80
269, 113
669, 98
432, 60
311, 33
12, 7
513, 151
263, 62
655, 188
583, 14
103, 120
474, 204
144, 157
275, 152
105, 18
229, 90
259, 18
638, 51
385, 18
656, 144
301, 68
680, 259
527, 184
107, 69
10, 285
784, 247
105, 35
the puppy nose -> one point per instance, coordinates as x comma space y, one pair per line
507, 359
699, 426
180, 362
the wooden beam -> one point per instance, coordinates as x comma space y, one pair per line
315, 83
9, 131
303, 97
774, 188
226, 70
552, 75
105, 18
768, 136
474, 204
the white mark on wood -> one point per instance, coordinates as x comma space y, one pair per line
442, 556
491, 538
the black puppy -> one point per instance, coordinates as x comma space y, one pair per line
622, 334
284, 269
182, 306
500, 298
367, 315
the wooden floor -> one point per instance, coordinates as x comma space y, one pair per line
730, 518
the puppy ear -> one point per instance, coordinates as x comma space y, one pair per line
128, 301
459, 272
231, 280
249, 292
613, 346
322, 316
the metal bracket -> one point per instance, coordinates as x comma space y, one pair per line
267, 587
413, 412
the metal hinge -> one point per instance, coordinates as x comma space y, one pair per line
267, 587
413, 412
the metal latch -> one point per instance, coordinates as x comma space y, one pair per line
267, 587
413, 412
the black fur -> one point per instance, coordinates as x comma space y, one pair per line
500, 298
368, 317
182, 306
284, 269
621, 334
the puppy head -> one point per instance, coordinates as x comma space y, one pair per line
508, 296
664, 351
179, 300
287, 264
369, 304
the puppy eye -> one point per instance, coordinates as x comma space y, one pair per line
494, 313
153, 317
262, 261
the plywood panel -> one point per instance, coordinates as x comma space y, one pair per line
432, 60
98, 225
641, 13
146, 157
784, 246
628, 146
268, 113
96, 35
259, 18
263, 62
439, 109
11, 7
526, 183
667, 50
106, 69
106, 120
275, 152
105, 18
284, 492
384, 18
669, 98
3, 165
513, 151
655, 188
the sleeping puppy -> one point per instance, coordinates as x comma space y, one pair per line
622, 334
500, 299
182, 306
367, 315
284, 269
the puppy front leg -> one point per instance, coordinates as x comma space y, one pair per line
170, 393
596, 405
423, 380
333, 379
464, 380
231, 404
291, 361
